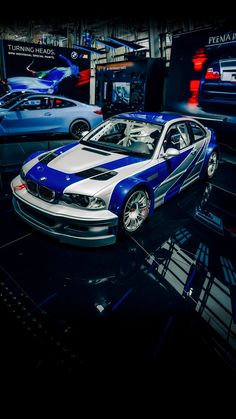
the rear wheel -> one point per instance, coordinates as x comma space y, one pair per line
135, 211
77, 127
212, 165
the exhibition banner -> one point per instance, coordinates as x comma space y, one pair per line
47, 69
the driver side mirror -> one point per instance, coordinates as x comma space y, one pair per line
171, 152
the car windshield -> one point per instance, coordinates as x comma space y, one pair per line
125, 136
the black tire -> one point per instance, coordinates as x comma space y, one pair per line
135, 211
77, 127
211, 165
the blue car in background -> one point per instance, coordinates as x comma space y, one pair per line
218, 85
46, 81
37, 114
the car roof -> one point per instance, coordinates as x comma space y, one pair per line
153, 117
54, 97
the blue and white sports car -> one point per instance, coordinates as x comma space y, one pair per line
116, 176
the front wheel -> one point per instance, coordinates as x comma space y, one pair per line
212, 165
135, 211
77, 127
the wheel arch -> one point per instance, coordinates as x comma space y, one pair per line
123, 189
211, 149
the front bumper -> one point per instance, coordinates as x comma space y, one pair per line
68, 225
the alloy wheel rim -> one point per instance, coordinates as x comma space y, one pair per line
136, 210
212, 164
78, 128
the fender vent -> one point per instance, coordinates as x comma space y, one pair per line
103, 153
97, 173
46, 158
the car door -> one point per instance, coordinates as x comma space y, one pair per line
31, 115
199, 141
63, 113
175, 170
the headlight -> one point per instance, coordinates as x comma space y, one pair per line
85, 201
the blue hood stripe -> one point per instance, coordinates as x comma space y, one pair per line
65, 148
59, 181
55, 179
125, 161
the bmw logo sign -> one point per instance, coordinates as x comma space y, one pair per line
74, 55
43, 178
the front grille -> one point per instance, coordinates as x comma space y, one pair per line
32, 187
46, 193
41, 191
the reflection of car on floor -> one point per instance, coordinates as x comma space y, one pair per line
111, 181
37, 114
47, 81
218, 86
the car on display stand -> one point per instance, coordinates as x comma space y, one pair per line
218, 85
39, 113
107, 185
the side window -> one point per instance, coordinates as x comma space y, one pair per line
177, 137
184, 136
34, 104
198, 132
61, 103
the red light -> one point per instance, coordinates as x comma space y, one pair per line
19, 187
199, 59
194, 88
212, 75
98, 112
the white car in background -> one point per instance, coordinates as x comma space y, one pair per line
41, 113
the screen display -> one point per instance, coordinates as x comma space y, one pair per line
202, 75
121, 92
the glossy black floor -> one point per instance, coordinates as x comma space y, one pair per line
162, 303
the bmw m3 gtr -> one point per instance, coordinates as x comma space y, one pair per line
111, 181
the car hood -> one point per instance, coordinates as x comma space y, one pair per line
82, 169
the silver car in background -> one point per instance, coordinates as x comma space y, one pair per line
39, 113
